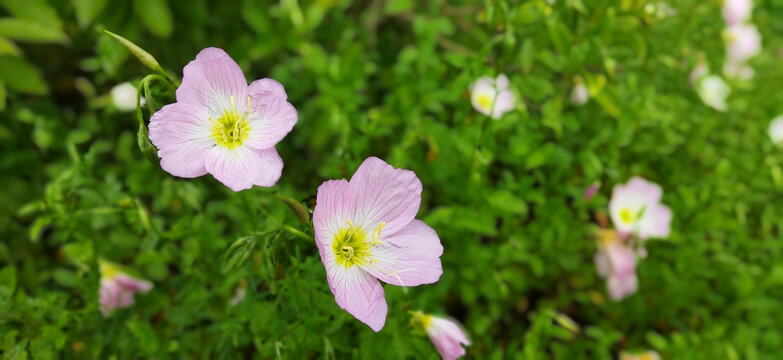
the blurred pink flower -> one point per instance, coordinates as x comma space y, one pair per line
616, 263
713, 91
222, 126
492, 97
591, 190
365, 231
742, 42
636, 208
735, 12
445, 334
117, 288
647, 355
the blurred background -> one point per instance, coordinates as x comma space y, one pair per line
390, 78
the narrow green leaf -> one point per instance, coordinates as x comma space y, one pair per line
237, 254
20, 76
2, 96
155, 15
87, 10
29, 31
35, 11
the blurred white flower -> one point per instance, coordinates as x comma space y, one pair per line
736, 12
240, 294
579, 95
713, 91
492, 96
123, 97
660, 10
738, 71
742, 42
776, 130
647, 355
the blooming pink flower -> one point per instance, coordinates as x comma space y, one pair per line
492, 97
617, 264
222, 126
735, 12
365, 230
742, 42
445, 334
117, 288
635, 208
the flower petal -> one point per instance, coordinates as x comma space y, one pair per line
241, 168
211, 80
448, 338
501, 82
655, 222
357, 292
384, 194
266, 86
182, 135
334, 204
409, 257
272, 118
503, 104
132, 284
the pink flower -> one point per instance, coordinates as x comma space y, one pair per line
445, 334
735, 12
591, 190
636, 208
117, 287
365, 231
492, 97
222, 126
617, 264
742, 43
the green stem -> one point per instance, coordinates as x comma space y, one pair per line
298, 233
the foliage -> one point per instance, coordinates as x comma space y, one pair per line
390, 79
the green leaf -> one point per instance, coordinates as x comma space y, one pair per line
37, 11
2, 96
508, 202
8, 278
237, 254
87, 10
29, 31
138, 52
8, 47
38, 226
19, 75
155, 15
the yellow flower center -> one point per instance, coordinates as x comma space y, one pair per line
231, 129
485, 101
627, 216
420, 320
108, 270
351, 245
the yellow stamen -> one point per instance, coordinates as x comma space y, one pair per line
233, 108
376, 235
626, 216
248, 105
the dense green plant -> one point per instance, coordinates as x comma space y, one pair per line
390, 79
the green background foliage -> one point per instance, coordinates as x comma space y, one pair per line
389, 79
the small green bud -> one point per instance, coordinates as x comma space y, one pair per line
140, 53
297, 208
145, 145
